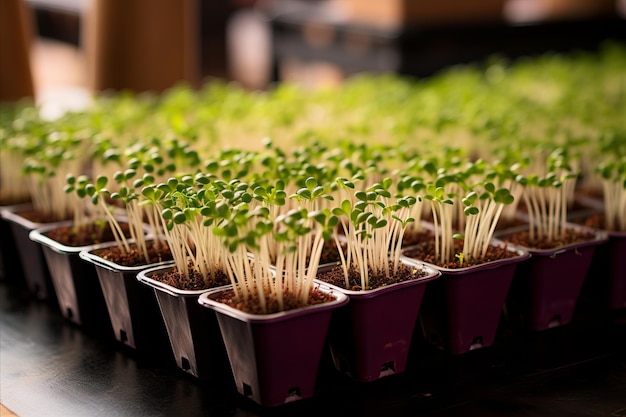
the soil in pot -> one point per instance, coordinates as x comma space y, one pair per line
37, 216
252, 306
425, 251
195, 282
134, 257
571, 236
335, 276
411, 238
91, 234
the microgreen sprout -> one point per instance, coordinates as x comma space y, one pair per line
374, 226
613, 174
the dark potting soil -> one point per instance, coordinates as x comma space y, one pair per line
40, 217
595, 221
290, 302
425, 251
506, 223
134, 257
336, 277
413, 238
13, 200
195, 281
91, 234
570, 236
330, 253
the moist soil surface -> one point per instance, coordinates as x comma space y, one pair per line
570, 236
194, 282
425, 251
330, 253
335, 276
290, 302
91, 234
37, 216
595, 221
134, 257
411, 238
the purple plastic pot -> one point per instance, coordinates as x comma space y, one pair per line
548, 286
75, 282
462, 309
26, 254
194, 334
132, 307
274, 357
371, 336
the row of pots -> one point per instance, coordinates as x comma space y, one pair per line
274, 358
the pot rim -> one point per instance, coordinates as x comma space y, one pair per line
38, 235
431, 274
600, 236
9, 213
206, 299
522, 255
144, 277
88, 256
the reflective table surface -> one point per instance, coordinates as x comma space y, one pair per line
50, 367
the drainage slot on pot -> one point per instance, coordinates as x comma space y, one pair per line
293, 394
123, 336
555, 322
388, 368
69, 313
434, 339
184, 363
247, 390
477, 343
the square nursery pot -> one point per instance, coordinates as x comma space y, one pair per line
132, 306
462, 309
23, 255
274, 357
193, 331
75, 282
547, 287
371, 336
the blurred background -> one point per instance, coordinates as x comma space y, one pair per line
65, 50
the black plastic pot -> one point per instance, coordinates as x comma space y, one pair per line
274, 357
371, 336
133, 308
25, 256
10, 267
75, 282
193, 331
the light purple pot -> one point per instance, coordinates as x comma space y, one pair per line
371, 336
274, 357
462, 309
